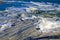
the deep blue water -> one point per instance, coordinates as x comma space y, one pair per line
13, 4
53, 1
5, 5
17, 4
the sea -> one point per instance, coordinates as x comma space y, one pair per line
15, 3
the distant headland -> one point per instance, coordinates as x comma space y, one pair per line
1, 2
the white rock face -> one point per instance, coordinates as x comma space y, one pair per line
30, 9
5, 26
46, 25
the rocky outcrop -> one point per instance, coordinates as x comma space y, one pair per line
1, 2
